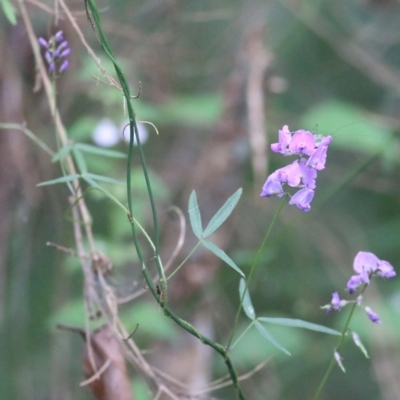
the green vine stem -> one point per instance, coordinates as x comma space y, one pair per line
159, 293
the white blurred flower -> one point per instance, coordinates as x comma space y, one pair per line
106, 133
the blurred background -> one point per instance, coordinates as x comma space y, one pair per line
219, 79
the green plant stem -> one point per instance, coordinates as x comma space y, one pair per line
337, 348
193, 331
159, 294
183, 262
252, 270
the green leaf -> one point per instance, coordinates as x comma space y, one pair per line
223, 213
63, 179
194, 215
80, 160
247, 305
222, 255
105, 179
298, 323
9, 11
88, 148
62, 153
269, 337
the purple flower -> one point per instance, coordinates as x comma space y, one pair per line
284, 139
354, 282
318, 158
302, 199
273, 186
336, 303
291, 174
59, 36
63, 66
302, 173
308, 175
385, 270
43, 42
367, 265
56, 52
372, 316
302, 142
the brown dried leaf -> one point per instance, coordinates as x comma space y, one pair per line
110, 381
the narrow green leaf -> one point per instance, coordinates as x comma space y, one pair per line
194, 215
62, 153
247, 304
95, 185
270, 338
63, 179
80, 160
9, 11
222, 255
298, 323
88, 148
223, 213
105, 179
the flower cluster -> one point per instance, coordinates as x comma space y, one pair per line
56, 51
301, 173
367, 265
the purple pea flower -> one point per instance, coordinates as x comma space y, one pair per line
302, 142
367, 264
302, 199
318, 158
284, 139
273, 186
372, 316
302, 173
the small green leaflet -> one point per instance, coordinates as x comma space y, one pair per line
194, 215
247, 305
298, 323
9, 11
63, 179
222, 255
261, 329
223, 213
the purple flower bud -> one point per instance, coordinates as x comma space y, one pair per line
302, 142
372, 316
65, 53
354, 282
336, 303
48, 56
302, 199
52, 67
62, 46
63, 66
43, 42
59, 37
